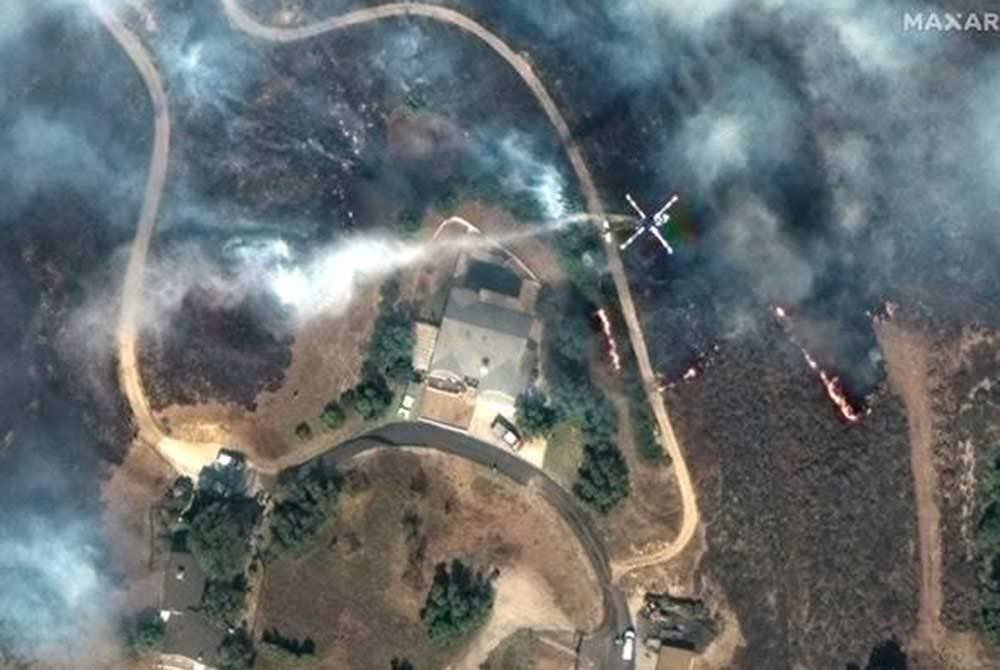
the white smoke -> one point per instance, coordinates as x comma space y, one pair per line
323, 283
528, 174
53, 596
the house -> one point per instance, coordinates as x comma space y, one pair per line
483, 354
189, 633
483, 344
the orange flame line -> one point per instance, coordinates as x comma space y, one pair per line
616, 361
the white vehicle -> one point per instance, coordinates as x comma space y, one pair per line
406, 407
628, 644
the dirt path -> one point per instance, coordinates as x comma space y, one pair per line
906, 359
185, 457
249, 24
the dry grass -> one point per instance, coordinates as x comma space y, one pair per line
364, 577
650, 515
129, 496
564, 453
526, 650
326, 360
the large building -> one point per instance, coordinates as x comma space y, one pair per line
486, 345
189, 635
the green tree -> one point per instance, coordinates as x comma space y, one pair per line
409, 221
371, 398
223, 601
459, 601
220, 535
534, 415
644, 435
400, 664
236, 652
146, 634
333, 415
603, 479
304, 504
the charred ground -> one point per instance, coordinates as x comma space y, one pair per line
822, 511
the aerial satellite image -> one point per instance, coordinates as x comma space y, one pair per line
500, 335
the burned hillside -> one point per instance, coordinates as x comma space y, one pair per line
280, 153
75, 131
822, 511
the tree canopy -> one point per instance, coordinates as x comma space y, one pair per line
220, 535
303, 504
459, 601
534, 415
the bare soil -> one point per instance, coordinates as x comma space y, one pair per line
906, 355
401, 515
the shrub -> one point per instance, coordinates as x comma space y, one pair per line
303, 431
146, 634
333, 416
459, 601
603, 477
534, 415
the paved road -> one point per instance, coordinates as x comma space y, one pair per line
428, 436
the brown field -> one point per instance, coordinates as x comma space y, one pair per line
525, 650
326, 359
129, 496
369, 571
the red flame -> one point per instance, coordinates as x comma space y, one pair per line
832, 385
616, 361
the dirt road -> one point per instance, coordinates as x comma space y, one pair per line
249, 24
185, 457
906, 360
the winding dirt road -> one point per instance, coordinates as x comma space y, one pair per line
185, 457
189, 457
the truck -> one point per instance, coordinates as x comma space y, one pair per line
628, 644
505, 430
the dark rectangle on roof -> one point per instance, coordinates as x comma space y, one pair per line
482, 275
465, 307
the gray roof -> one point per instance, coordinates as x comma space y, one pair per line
473, 331
185, 593
192, 635
189, 633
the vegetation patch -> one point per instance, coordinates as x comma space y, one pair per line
144, 635
988, 547
602, 479
304, 501
388, 364
459, 602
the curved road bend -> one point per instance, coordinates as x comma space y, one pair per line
249, 24
428, 436
185, 457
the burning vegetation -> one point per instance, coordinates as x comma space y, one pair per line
831, 383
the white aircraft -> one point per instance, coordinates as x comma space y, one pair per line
645, 224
